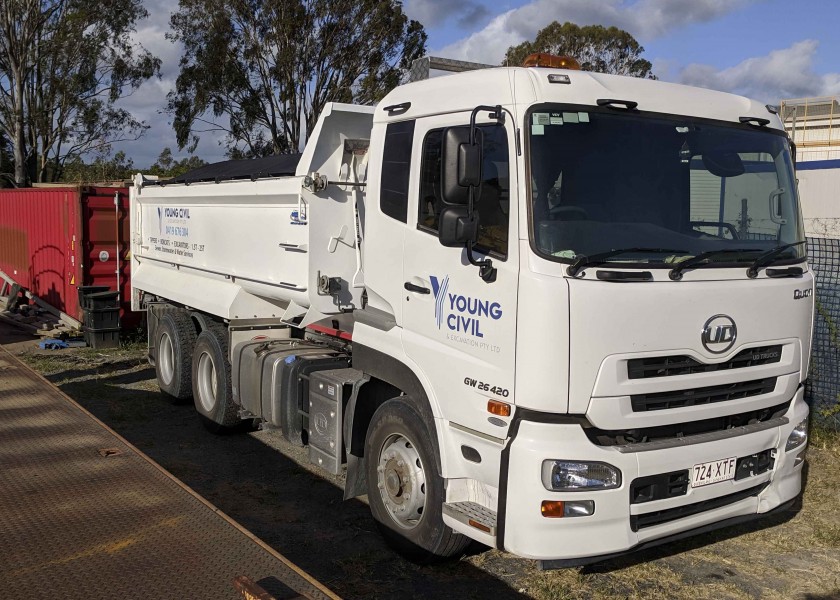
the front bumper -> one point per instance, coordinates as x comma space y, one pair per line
609, 530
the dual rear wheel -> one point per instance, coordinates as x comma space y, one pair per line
196, 365
211, 382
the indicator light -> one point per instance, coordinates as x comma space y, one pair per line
559, 509
500, 409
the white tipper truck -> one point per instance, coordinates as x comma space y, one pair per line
562, 313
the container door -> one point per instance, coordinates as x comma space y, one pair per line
459, 329
106, 245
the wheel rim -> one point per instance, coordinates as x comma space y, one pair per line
207, 382
402, 481
166, 358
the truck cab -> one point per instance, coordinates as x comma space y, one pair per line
635, 368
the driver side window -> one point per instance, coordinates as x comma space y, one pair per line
492, 197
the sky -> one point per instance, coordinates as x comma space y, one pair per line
765, 49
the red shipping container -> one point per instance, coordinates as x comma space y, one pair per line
55, 239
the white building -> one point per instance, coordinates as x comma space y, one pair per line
814, 126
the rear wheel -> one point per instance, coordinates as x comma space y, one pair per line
174, 342
213, 395
405, 490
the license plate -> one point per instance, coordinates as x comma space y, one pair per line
713, 472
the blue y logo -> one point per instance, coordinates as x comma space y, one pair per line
439, 288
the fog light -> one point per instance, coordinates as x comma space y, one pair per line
557, 509
800, 458
573, 476
798, 436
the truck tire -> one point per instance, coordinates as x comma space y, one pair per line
211, 381
405, 491
174, 343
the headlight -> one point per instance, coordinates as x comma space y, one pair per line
573, 476
798, 436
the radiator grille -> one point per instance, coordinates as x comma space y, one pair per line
703, 395
641, 435
667, 366
659, 487
658, 517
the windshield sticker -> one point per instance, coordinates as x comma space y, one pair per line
570, 117
583, 117
556, 119
537, 129
540, 119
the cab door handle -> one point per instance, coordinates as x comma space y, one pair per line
417, 288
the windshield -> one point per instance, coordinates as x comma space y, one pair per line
603, 180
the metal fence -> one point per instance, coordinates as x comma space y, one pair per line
822, 391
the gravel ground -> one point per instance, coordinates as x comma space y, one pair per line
267, 485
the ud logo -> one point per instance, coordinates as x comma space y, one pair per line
719, 334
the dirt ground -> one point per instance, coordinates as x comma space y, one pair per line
267, 485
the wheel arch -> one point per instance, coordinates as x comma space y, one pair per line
388, 378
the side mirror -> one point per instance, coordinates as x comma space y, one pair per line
457, 227
461, 164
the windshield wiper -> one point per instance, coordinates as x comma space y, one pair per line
676, 273
600, 258
768, 257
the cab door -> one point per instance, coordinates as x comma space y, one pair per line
459, 330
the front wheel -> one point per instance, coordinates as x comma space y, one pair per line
405, 490
211, 381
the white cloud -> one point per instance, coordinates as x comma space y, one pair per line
431, 13
644, 19
148, 102
781, 74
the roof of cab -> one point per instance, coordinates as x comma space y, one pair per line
526, 86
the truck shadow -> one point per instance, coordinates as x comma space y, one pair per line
268, 486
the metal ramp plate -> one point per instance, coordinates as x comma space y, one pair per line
85, 515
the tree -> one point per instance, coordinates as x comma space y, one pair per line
596, 48
103, 168
63, 66
6, 165
167, 166
261, 71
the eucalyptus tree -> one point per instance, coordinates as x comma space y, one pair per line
64, 66
597, 48
261, 71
